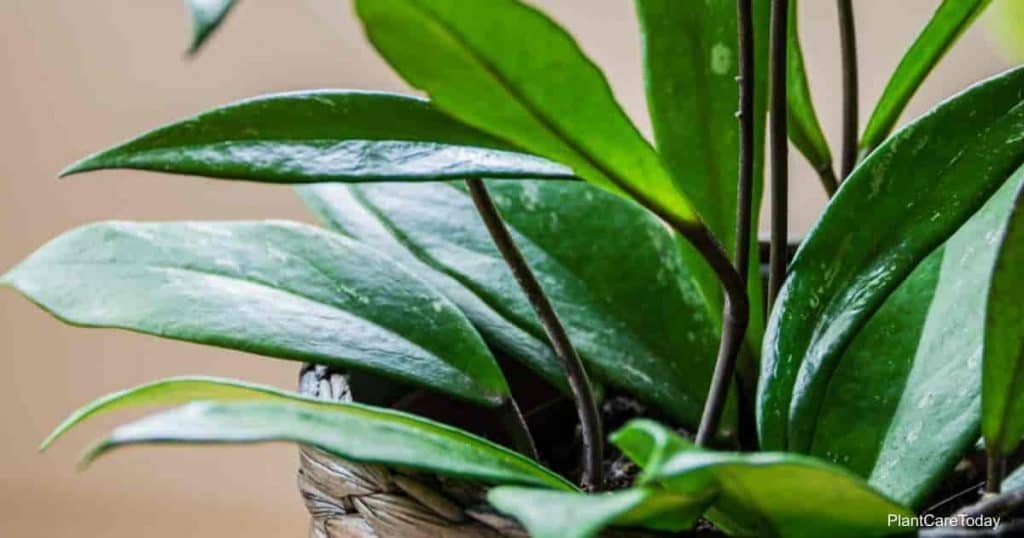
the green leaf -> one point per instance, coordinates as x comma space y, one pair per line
618, 282
804, 129
279, 289
1002, 381
948, 22
236, 412
761, 494
1005, 21
322, 136
540, 93
691, 63
904, 201
206, 17
557, 514
911, 378
1015, 480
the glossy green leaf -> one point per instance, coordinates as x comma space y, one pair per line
911, 378
691, 63
557, 514
804, 129
274, 288
505, 68
206, 17
918, 188
1002, 380
236, 412
948, 22
761, 494
322, 136
618, 282
1005, 21
1015, 480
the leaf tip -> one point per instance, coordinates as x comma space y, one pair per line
92, 454
77, 167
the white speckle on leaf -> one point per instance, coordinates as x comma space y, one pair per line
721, 59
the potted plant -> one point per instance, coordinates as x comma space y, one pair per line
508, 271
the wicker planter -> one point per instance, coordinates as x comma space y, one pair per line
353, 500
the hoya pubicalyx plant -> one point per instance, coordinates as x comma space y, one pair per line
512, 237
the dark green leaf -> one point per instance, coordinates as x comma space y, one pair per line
947, 24
910, 380
279, 289
617, 282
505, 68
1002, 380
911, 195
691, 63
804, 129
761, 494
236, 412
206, 17
556, 514
323, 136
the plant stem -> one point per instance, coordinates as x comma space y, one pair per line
828, 180
515, 424
735, 315
779, 150
996, 468
848, 45
734, 322
579, 385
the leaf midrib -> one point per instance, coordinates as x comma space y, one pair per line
541, 119
272, 287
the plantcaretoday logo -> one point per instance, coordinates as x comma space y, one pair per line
932, 520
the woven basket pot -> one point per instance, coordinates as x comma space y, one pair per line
354, 500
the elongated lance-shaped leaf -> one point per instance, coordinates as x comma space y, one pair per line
558, 514
920, 187
761, 494
911, 379
278, 289
948, 22
322, 136
235, 412
1002, 380
618, 282
804, 128
206, 18
690, 66
540, 93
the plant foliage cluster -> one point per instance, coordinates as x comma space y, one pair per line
517, 214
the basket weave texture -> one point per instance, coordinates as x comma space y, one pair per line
354, 500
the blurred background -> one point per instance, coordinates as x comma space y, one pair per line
79, 76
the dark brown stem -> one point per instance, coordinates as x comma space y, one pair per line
734, 325
779, 151
735, 315
995, 470
515, 424
848, 46
576, 375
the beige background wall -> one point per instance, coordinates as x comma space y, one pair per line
77, 76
